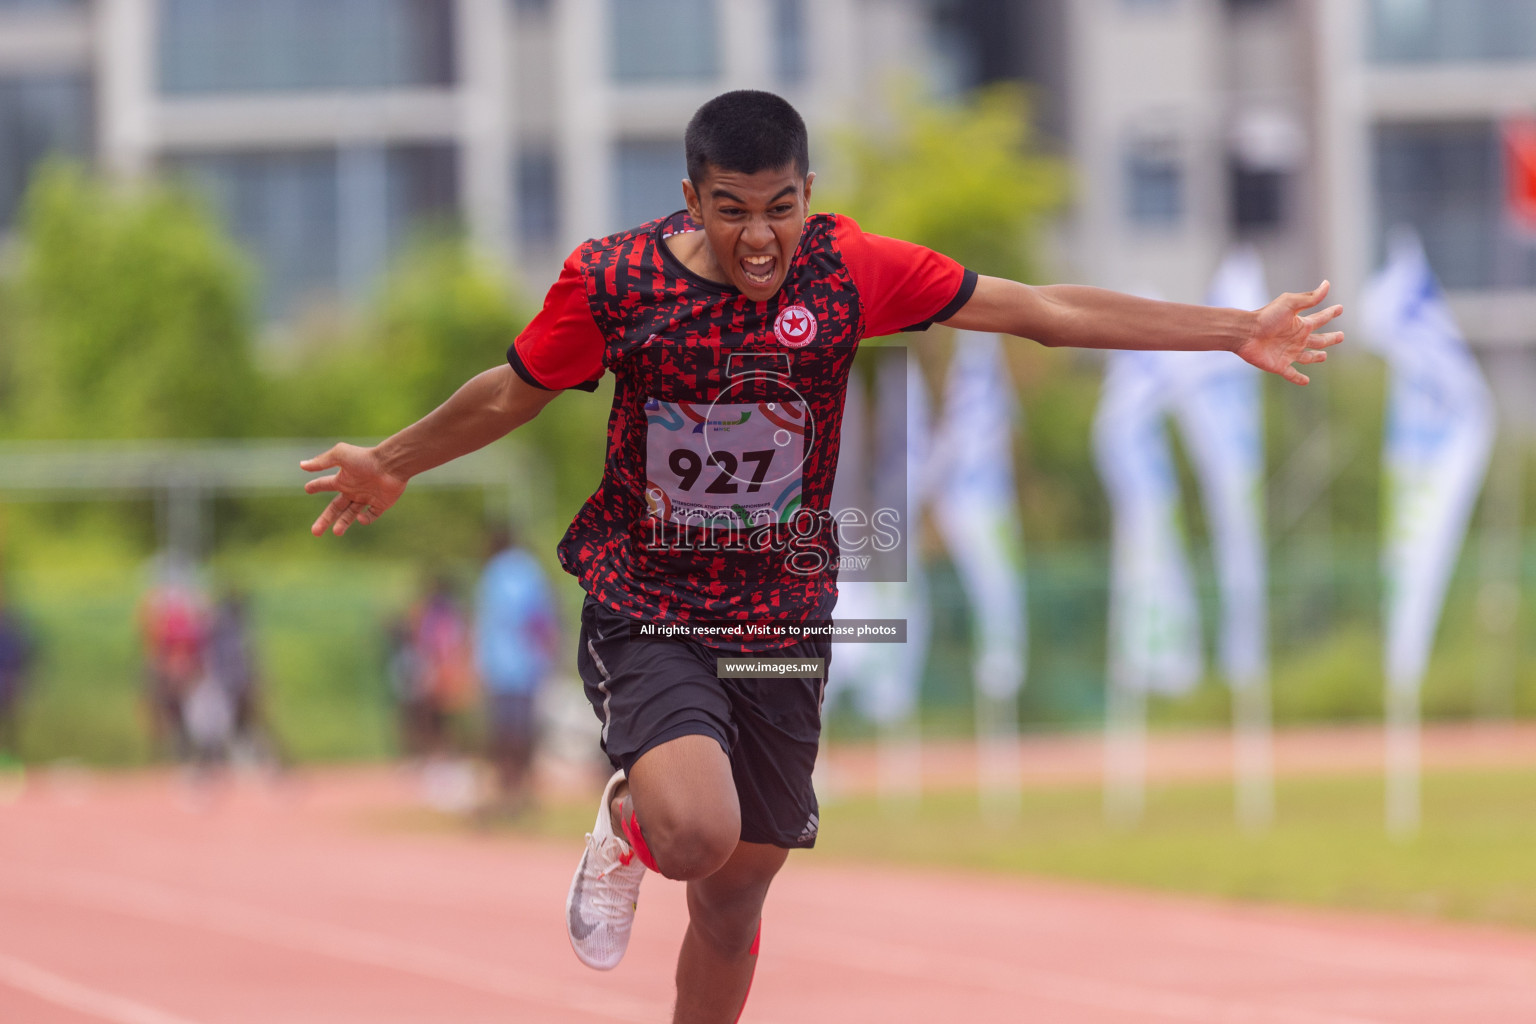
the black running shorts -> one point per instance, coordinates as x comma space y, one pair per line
646, 692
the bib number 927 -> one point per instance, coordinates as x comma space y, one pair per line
724, 465
686, 464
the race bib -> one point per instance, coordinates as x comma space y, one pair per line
724, 465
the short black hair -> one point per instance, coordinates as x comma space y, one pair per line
747, 131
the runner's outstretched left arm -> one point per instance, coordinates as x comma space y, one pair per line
1272, 338
369, 480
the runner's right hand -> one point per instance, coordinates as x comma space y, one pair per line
364, 490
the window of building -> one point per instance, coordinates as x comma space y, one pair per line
1154, 182
648, 174
1446, 181
1452, 30
664, 39
257, 45
538, 198
789, 38
1258, 197
39, 115
1266, 147
324, 222
7, 6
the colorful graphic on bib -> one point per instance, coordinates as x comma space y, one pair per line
724, 464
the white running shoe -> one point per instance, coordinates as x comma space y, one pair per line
600, 908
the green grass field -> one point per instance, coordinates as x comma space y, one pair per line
1472, 861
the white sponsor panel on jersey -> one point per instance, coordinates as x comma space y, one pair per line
726, 464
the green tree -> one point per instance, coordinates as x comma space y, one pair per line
442, 314
129, 316
966, 179
446, 313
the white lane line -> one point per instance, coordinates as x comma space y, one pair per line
167, 905
61, 991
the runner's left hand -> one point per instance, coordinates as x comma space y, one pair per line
366, 490
1283, 336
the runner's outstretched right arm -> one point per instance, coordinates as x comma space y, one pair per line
369, 480
1272, 338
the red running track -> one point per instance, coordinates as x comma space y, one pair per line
119, 903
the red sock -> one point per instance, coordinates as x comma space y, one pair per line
757, 940
631, 829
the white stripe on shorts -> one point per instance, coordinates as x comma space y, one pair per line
602, 687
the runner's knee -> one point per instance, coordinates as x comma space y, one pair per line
688, 844
685, 801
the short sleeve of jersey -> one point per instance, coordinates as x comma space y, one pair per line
903, 287
562, 346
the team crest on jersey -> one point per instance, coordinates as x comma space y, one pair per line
795, 327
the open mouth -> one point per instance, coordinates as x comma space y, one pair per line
758, 269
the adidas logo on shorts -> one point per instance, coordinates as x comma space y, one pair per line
809, 832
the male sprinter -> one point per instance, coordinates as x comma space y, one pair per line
730, 328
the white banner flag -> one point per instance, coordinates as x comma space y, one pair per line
887, 678
855, 664
976, 508
1440, 430
1154, 624
1217, 402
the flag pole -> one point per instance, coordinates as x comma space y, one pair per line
899, 759
1403, 767
1125, 752
1253, 752
999, 792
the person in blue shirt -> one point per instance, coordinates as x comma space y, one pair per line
515, 635
16, 656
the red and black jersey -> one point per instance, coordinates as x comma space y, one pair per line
723, 438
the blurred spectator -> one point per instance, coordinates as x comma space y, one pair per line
405, 685
233, 671
431, 673
173, 619
445, 681
16, 654
514, 644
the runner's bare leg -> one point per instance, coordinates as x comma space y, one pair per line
719, 954
684, 797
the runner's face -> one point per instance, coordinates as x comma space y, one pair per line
752, 223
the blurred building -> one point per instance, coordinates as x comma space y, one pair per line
1189, 123
1411, 134
1306, 127
326, 130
